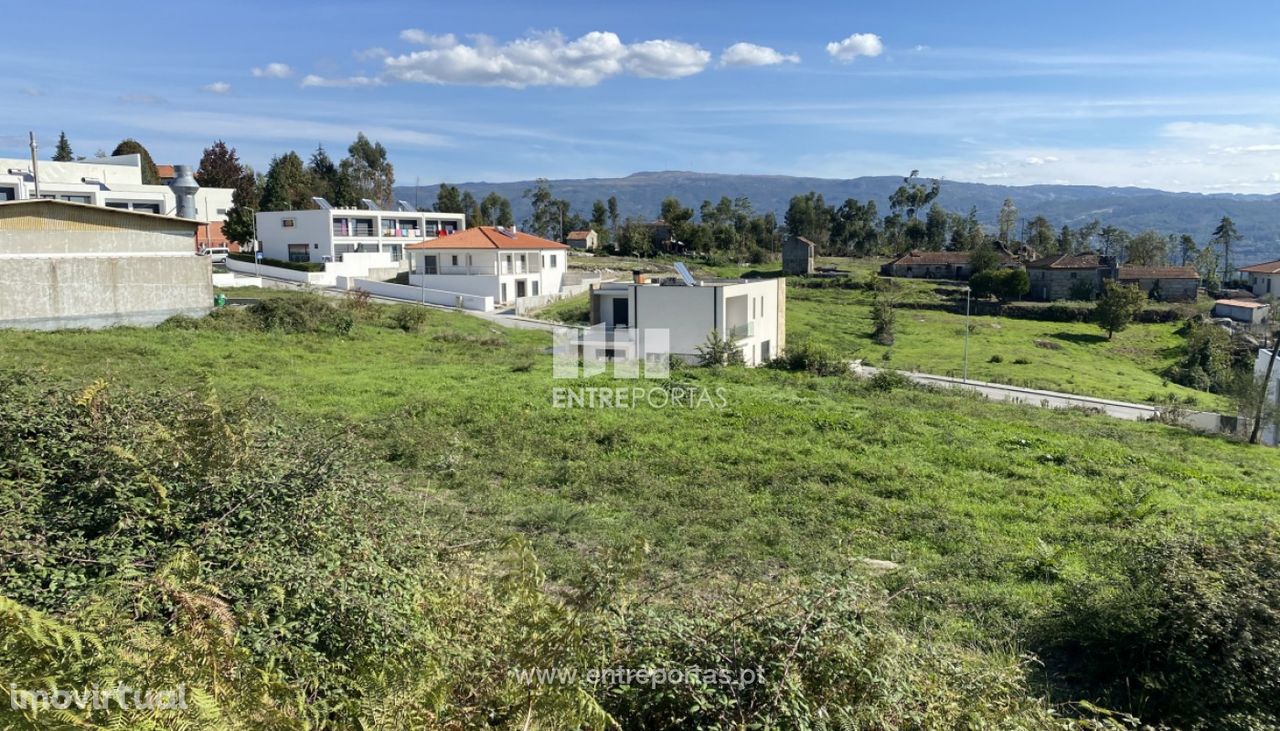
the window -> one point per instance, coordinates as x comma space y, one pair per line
147, 207
367, 248
119, 205
298, 252
432, 228
503, 298
389, 227
396, 251
429, 265
8, 194
222, 211
77, 199
454, 260
535, 288
553, 261
287, 222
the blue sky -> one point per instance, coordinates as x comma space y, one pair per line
1175, 95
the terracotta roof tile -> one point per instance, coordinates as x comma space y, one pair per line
1066, 261
1250, 304
579, 234
1127, 272
487, 237
1267, 267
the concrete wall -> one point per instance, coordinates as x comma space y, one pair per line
419, 294
797, 257
319, 279
54, 293
1171, 290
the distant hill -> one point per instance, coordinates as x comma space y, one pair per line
1257, 217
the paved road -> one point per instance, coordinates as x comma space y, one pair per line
1202, 420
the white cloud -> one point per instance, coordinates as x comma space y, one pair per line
350, 81
749, 54
371, 53
273, 71
542, 59
423, 38
217, 87
858, 44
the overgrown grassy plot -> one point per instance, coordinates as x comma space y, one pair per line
990, 510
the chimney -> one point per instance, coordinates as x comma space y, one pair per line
184, 187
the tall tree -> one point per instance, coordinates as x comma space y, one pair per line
130, 146
544, 218
1066, 243
63, 153
911, 196
1008, 220
1040, 235
1224, 236
1187, 248
496, 210
1149, 248
613, 215
246, 200
288, 186
677, 216
331, 183
449, 199
600, 222
371, 174
935, 227
219, 167
1115, 241
809, 216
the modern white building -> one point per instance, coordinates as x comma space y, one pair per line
489, 261
325, 234
751, 311
112, 182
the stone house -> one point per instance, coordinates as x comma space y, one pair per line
1166, 284
797, 256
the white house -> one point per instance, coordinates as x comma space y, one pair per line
1264, 279
112, 182
1250, 312
489, 261
326, 234
752, 311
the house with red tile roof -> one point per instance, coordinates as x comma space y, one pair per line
583, 240
489, 261
1165, 284
1264, 278
934, 265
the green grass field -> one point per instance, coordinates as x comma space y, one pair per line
1069, 357
796, 475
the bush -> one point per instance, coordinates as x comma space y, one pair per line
408, 318
1186, 633
298, 266
996, 359
888, 380
306, 313
810, 358
883, 319
718, 350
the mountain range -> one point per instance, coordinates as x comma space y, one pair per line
1257, 217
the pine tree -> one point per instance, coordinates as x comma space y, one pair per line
63, 151
288, 186
1225, 235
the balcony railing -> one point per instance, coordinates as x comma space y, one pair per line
745, 330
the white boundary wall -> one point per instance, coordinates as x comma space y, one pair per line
418, 294
325, 279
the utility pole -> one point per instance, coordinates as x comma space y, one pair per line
35, 163
966, 334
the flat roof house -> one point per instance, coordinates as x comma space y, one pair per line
113, 182
66, 265
489, 261
1250, 312
753, 311
327, 234
1263, 278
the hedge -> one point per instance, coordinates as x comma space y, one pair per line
299, 266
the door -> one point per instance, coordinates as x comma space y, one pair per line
764, 352
520, 288
621, 312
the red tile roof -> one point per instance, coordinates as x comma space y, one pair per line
932, 257
1268, 267
165, 172
579, 234
1127, 272
1066, 261
1250, 304
487, 237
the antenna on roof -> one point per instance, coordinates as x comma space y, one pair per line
368, 204
321, 203
683, 271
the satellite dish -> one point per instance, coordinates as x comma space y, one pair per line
683, 271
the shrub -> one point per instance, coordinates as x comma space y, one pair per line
297, 266
810, 358
883, 319
1021, 361
305, 313
996, 359
719, 350
888, 380
1187, 633
409, 319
